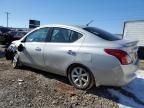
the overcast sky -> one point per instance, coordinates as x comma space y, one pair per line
107, 14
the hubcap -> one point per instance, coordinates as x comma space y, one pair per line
80, 77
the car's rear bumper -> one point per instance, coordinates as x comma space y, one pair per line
128, 73
115, 76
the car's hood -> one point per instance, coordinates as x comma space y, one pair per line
16, 42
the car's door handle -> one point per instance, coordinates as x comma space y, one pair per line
70, 52
38, 49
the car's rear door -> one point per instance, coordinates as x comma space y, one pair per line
34, 45
61, 50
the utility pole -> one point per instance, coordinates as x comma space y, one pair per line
7, 17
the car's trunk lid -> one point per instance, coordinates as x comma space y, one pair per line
130, 46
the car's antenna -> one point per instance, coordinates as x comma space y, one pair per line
89, 22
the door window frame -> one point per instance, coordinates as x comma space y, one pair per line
47, 39
51, 32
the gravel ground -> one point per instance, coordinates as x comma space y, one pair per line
27, 87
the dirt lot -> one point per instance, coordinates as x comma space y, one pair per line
27, 87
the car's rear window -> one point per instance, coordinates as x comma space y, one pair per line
102, 34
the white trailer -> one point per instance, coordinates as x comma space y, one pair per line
134, 30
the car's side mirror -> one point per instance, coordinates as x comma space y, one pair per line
20, 48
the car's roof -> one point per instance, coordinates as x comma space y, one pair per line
61, 25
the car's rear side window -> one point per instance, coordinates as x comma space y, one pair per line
62, 35
102, 34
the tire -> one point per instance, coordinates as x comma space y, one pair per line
9, 54
16, 62
141, 53
80, 77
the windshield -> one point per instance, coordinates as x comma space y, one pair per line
102, 34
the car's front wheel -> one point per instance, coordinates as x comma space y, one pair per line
15, 61
80, 77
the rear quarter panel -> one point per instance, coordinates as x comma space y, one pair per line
104, 67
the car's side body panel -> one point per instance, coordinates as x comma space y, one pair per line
58, 56
33, 54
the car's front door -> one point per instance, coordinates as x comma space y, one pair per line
34, 45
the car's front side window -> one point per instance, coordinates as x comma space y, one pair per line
38, 35
62, 35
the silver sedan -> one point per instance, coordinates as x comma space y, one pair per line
85, 55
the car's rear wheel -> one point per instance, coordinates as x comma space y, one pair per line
80, 77
15, 61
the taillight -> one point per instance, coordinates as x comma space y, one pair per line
122, 56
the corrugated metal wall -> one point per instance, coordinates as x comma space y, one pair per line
135, 31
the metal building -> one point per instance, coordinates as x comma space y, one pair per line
134, 30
